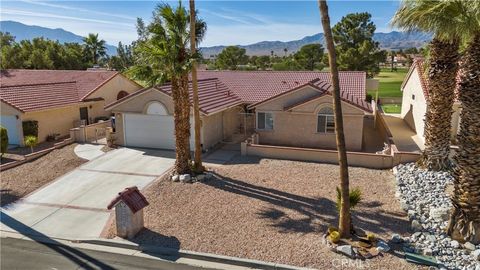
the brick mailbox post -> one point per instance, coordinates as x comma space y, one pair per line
129, 206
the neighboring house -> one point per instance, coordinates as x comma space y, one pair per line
415, 100
283, 108
57, 99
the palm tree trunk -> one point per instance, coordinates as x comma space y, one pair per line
442, 82
465, 219
196, 110
182, 124
344, 220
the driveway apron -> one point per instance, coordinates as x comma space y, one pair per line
74, 205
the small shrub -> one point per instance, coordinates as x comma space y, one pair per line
371, 237
4, 140
368, 98
334, 237
355, 197
31, 141
332, 229
30, 128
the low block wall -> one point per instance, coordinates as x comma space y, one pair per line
356, 159
90, 133
35, 155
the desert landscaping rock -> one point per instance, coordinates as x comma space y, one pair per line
424, 198
469, 246
382, 246
185, 178
176, 178
346, 250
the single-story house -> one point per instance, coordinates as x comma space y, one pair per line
58, 99
416, 97
283, 108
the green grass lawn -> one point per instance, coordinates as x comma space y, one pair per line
390, 83
392, 108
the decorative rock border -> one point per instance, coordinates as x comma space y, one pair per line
423, 196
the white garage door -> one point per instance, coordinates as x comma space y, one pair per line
10, 123
150, 131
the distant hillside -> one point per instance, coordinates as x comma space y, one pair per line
22, 32
391, 41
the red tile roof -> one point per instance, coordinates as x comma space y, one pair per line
84, 82
132, 197
33, 97
323, 89
256, 86
213, 95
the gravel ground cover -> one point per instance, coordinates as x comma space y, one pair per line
272, 210
424, 197
23, 179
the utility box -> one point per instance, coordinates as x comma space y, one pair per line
128, 206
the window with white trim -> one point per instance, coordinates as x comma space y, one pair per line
264, 121
325, 121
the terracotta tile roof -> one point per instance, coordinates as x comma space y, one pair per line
132, 197
256, 86
213, 95
323, 88
87, 81
31, 97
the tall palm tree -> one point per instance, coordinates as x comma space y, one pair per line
435, 16
345, 219
196, 109
94, 47
464, 222
162, 55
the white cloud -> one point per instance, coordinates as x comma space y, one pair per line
77, 9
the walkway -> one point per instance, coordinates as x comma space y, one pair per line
74, 206
404, 137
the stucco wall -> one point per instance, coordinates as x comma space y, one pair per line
298, 128
139, 103
59, 120
413, 110
110, 90
219, 126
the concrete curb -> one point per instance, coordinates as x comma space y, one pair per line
255, 264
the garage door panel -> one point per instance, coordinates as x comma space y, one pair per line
150, 131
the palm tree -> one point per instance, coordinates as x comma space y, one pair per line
94, 47
435, 16
464, 222
344, 220
196, 110
162, 55
285, 50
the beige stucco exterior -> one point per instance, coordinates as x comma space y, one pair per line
298, 127
60, 120
415, 105
214, 128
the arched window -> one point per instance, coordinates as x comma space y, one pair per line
325, 120
121, 94
156, 108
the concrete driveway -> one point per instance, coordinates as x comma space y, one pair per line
74, 206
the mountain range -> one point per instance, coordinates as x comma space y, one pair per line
27, 32
391, 41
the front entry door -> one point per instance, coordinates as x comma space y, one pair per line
84, 114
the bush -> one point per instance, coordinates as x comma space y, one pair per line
355, 197
30, 128
4, 140
31, 141
334, 237
369, 98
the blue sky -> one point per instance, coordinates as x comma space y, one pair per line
229, 22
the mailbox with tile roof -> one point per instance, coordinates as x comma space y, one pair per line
128, 206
